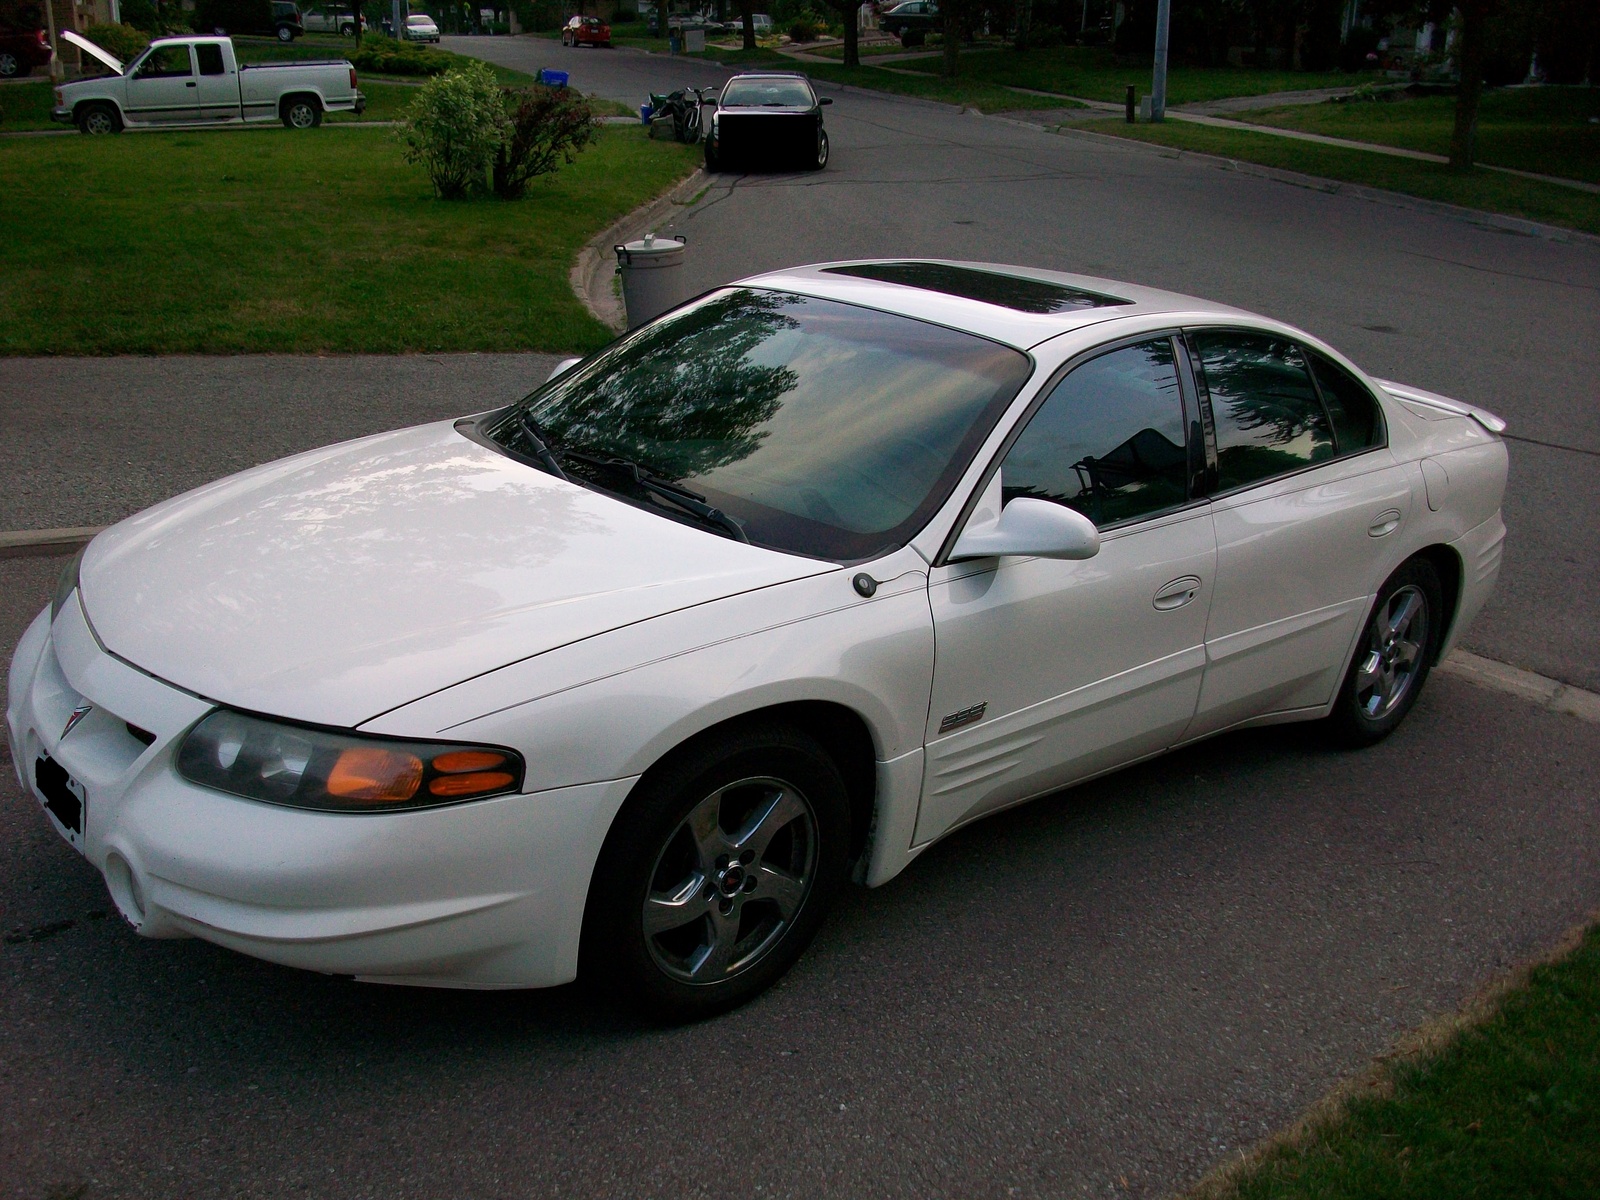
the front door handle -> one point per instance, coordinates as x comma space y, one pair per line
1384, 523
191, 83
1177, 593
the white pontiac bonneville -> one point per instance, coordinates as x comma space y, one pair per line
627, 678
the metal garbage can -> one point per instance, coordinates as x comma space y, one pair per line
652, 276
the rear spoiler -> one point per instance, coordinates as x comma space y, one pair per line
83, 43
1433, 400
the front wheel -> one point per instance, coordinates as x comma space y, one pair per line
713, 159
301, 112
718, 873
1393, 657
98, 119
9, 64
347, 31
821, 159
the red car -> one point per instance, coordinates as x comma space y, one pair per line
21, 50
586, 31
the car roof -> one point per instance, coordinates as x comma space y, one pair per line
945, 299
800, 75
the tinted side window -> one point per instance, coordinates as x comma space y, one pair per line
210, 57
1356, 423
1269, 420
1109, 440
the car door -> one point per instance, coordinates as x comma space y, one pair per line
1048, 671
217, 95
162, 89
1306, 502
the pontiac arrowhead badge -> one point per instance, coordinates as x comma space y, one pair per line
78, 714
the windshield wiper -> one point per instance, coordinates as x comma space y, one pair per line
531, 431
690, 502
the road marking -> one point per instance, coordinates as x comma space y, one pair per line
1503, 677
1485, 672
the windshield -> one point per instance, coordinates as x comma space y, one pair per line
819, 428
766, 93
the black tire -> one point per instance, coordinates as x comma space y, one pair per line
347, 31
1392, 658
97, 119
10, 65
285, 33
716, 917
821, 159
300, 112
713, 159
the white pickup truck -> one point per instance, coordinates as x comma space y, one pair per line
189, 82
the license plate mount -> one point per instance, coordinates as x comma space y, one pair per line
63, 797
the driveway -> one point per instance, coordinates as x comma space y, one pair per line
1102, 993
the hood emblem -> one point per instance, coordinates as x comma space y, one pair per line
78, 714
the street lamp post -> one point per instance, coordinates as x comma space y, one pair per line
1158, 85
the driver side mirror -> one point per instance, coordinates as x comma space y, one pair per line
562, 367
1028, 527
824, 99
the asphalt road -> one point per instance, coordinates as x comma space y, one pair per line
1101, 993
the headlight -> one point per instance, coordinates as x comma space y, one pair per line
338, 772
66, 585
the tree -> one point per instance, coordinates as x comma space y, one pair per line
747, 12
852, 37
953, 14
1024, 21
1475, 15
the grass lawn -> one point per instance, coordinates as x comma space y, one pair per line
1545, 130
27, 105
258, 240
1488, 190
873, 50
1510, 1107
1093, 73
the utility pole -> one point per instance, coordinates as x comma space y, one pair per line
55, 46
1158, 85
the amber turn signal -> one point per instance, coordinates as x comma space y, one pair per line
475, 783
375, 773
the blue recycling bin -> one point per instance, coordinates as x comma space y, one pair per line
555, 79
644, 114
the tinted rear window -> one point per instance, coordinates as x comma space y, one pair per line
989, 287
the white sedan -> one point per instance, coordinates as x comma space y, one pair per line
421, 28
628, 678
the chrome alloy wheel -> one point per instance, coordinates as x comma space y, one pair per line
98, 122
302, 115
730, 880
1394, 653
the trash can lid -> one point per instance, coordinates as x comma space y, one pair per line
652, 247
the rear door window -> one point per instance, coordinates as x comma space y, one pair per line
1269, 418
1109, 441
210, 57
1357, 422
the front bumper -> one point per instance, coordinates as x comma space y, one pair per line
482, 894
63, 115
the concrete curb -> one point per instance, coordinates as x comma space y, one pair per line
46, 543
1536, 689
591, 273
1316, 183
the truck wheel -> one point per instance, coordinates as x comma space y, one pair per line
96, 119
347, 31
285, 33
302, 112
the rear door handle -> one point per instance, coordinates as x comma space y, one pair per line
1177, 593
1384, 523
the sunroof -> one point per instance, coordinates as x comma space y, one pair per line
1008, 291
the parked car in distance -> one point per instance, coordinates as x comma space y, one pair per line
420, 27
774, 591
198, 82
912, 21
273, 18
329, 19
586, 31
768, 119
21, 50
761, 21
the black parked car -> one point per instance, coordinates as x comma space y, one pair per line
275, 18
765, 119
912, 21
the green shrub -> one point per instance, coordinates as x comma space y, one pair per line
544, 125
384, 56
120, 41
802, 31
454, 128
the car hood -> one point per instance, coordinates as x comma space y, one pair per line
335, 585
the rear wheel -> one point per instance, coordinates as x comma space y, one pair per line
97, 119
718, 873
347, 31
9, 65
302, 112
285, 33
1393, 657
